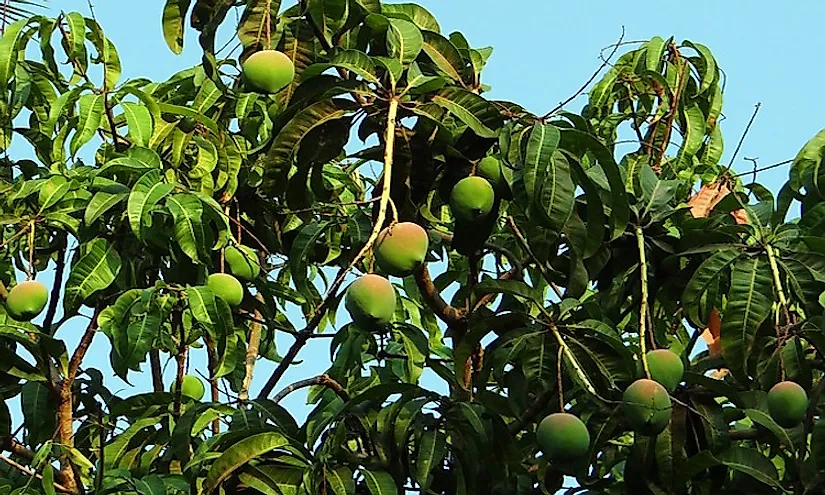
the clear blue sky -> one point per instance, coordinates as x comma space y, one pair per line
545, 50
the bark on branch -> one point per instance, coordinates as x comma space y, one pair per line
324, 380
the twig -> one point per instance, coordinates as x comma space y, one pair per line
526, 245
587, 83
744, 135
532, 411
766, 168
23, 469
324, 380
251, 353
452, 316
157, 373
56, 287
317, 317
82, 348
248, 232
640, 240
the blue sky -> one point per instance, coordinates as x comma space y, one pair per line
545, 50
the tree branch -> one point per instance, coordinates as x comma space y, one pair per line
318, 316
324, 380
82, 349
58, 285
532, 411
157, 372
452, 316
251, 353
23, 469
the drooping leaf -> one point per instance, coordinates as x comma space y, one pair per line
96, 269
241, 453
174, 13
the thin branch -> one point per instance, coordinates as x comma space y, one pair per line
532, 411
250, 234
317, 317
452, 316
251, 353
82, 349
526, 246
575, 95
56, 287
323, 380
23, 469
157, 372
744, 135
643, 309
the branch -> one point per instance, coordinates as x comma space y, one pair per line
318, 316
157, 372
643, 309
30, 472
526, 246
452, 316
251, 353
323, 380
575, 95
58, 284
82, 349
749, 434
532, 411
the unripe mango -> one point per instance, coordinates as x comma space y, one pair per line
268, 71
26, 300
490, 168
647, 406
563, 437
402, 248
242, 262
192, 387
666, 368
370, 301
226, 287
472, 199
787, 403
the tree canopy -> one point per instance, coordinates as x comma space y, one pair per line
338, 171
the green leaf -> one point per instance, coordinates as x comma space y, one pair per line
139, 120
286, 143
654, 52
52, 191
174, 13
432, 447
479, 114
107, 55
102, 202
752, 463
404, 40
91, 111
693, 133
276, 480
254, 21
96, 269
241, 453
9, 48
749, 304
38, 412
302, 248
706, 275
114, 451
341, 480
541, 146
76, 33
146, 193
379, 482
707, 69
765, 420
187, 210
490, 285
443, 54
412, 12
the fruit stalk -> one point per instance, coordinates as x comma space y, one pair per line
777, 280
318, 314
572, 358
640, 239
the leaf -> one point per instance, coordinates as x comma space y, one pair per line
413, 12
9, 47
654, 52
693, 133
91, 111
541, 146
706, 275
752, 463
379, 482
404, 40
255, 19
432, 447
510, 287
187, 210
173, 28
102, 202
340, 480
38, 412
114, 451
286, 143
76, 33
479, 114
96, 269
52, 191
139, 121
241, 453
146, 193
707, 69
107, 55
765, 420
443, 54
749, 304
302, 248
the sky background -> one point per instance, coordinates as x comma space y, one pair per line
544, 51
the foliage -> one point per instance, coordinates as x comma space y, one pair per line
590, 257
